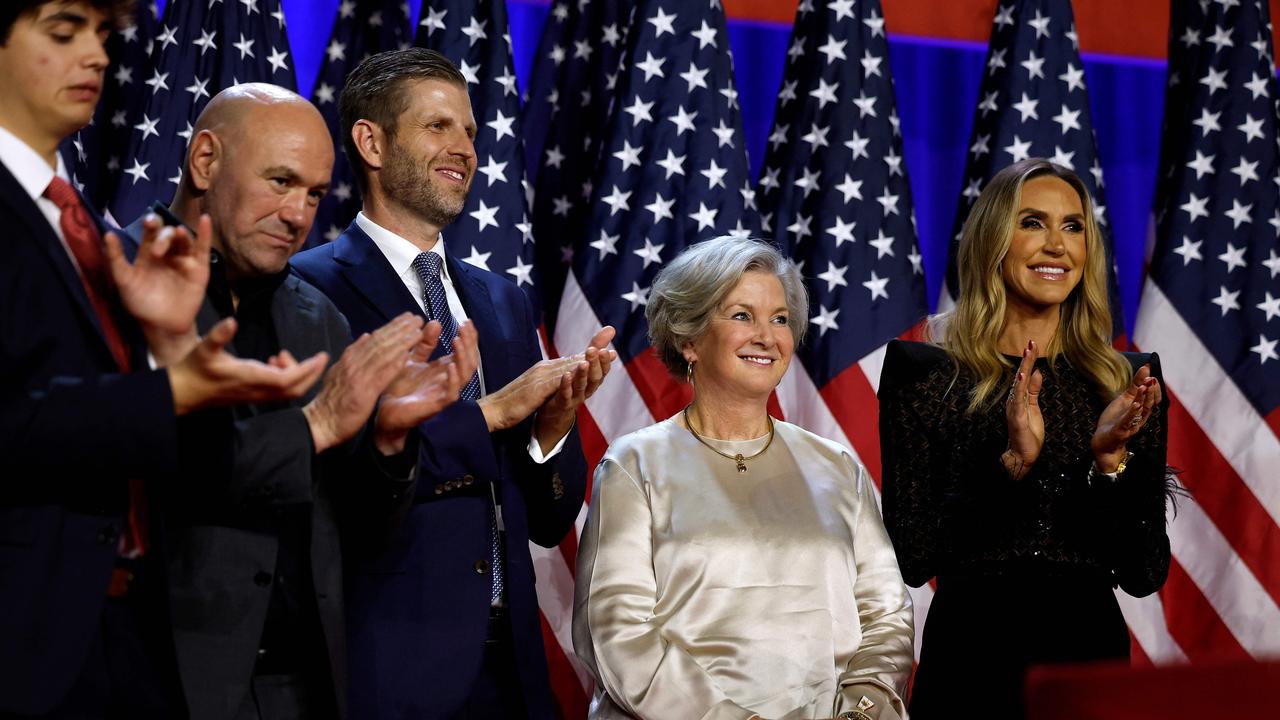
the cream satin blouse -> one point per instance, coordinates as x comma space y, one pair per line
706, 593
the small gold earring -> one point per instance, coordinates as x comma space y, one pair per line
688, 372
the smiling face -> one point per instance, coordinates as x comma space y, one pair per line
51, 72
1046, 256
264, 190
747, 347
431, 161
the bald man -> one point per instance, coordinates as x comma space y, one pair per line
250, 535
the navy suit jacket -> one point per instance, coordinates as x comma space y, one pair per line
418, 611
73, 430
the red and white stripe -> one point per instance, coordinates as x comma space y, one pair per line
1222, 600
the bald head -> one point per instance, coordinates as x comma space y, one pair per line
250, 104
260, 160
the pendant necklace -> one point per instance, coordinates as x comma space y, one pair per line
738, 458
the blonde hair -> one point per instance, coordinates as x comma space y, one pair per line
970, 333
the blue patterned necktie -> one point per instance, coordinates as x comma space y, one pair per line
428, 267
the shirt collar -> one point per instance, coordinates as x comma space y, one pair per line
26, 165
398, 251
252, 292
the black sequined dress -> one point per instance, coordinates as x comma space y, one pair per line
1025, 570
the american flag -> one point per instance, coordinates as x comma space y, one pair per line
201, 48
93, 154
570, 93
1032, 103
361, 28
494, 231
1211, 308
672, 171
834, 192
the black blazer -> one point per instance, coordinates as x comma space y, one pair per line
418, 612
218, 516
73, 429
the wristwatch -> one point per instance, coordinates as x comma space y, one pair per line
1096, 474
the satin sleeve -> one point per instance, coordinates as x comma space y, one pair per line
615, 631
880, 667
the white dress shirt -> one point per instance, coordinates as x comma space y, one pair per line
34, 175
400, 253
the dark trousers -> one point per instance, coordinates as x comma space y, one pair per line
125, 675
497, 692
286, 697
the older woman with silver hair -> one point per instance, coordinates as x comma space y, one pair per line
1024, 457
733, 565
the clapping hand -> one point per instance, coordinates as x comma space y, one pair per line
557, 413
164, 286
1022, 410
353, 385
517, 400
1123, 418
424, 387
576, 376
209, 376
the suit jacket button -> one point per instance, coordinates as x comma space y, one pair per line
108, 535
481, 567
467, 479
439, 489
262, 578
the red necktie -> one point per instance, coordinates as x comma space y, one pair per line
86, 244
82, 236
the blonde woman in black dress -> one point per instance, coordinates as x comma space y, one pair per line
1024, 457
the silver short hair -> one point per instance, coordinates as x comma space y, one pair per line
687, 292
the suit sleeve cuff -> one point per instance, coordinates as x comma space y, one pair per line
535, 447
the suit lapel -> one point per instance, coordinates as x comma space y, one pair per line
296, 317
42, 234
369, 274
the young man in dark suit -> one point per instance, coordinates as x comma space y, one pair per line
251, 539
84, 420
445, 622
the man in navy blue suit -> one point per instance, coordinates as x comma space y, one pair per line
85, 420
444, 623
